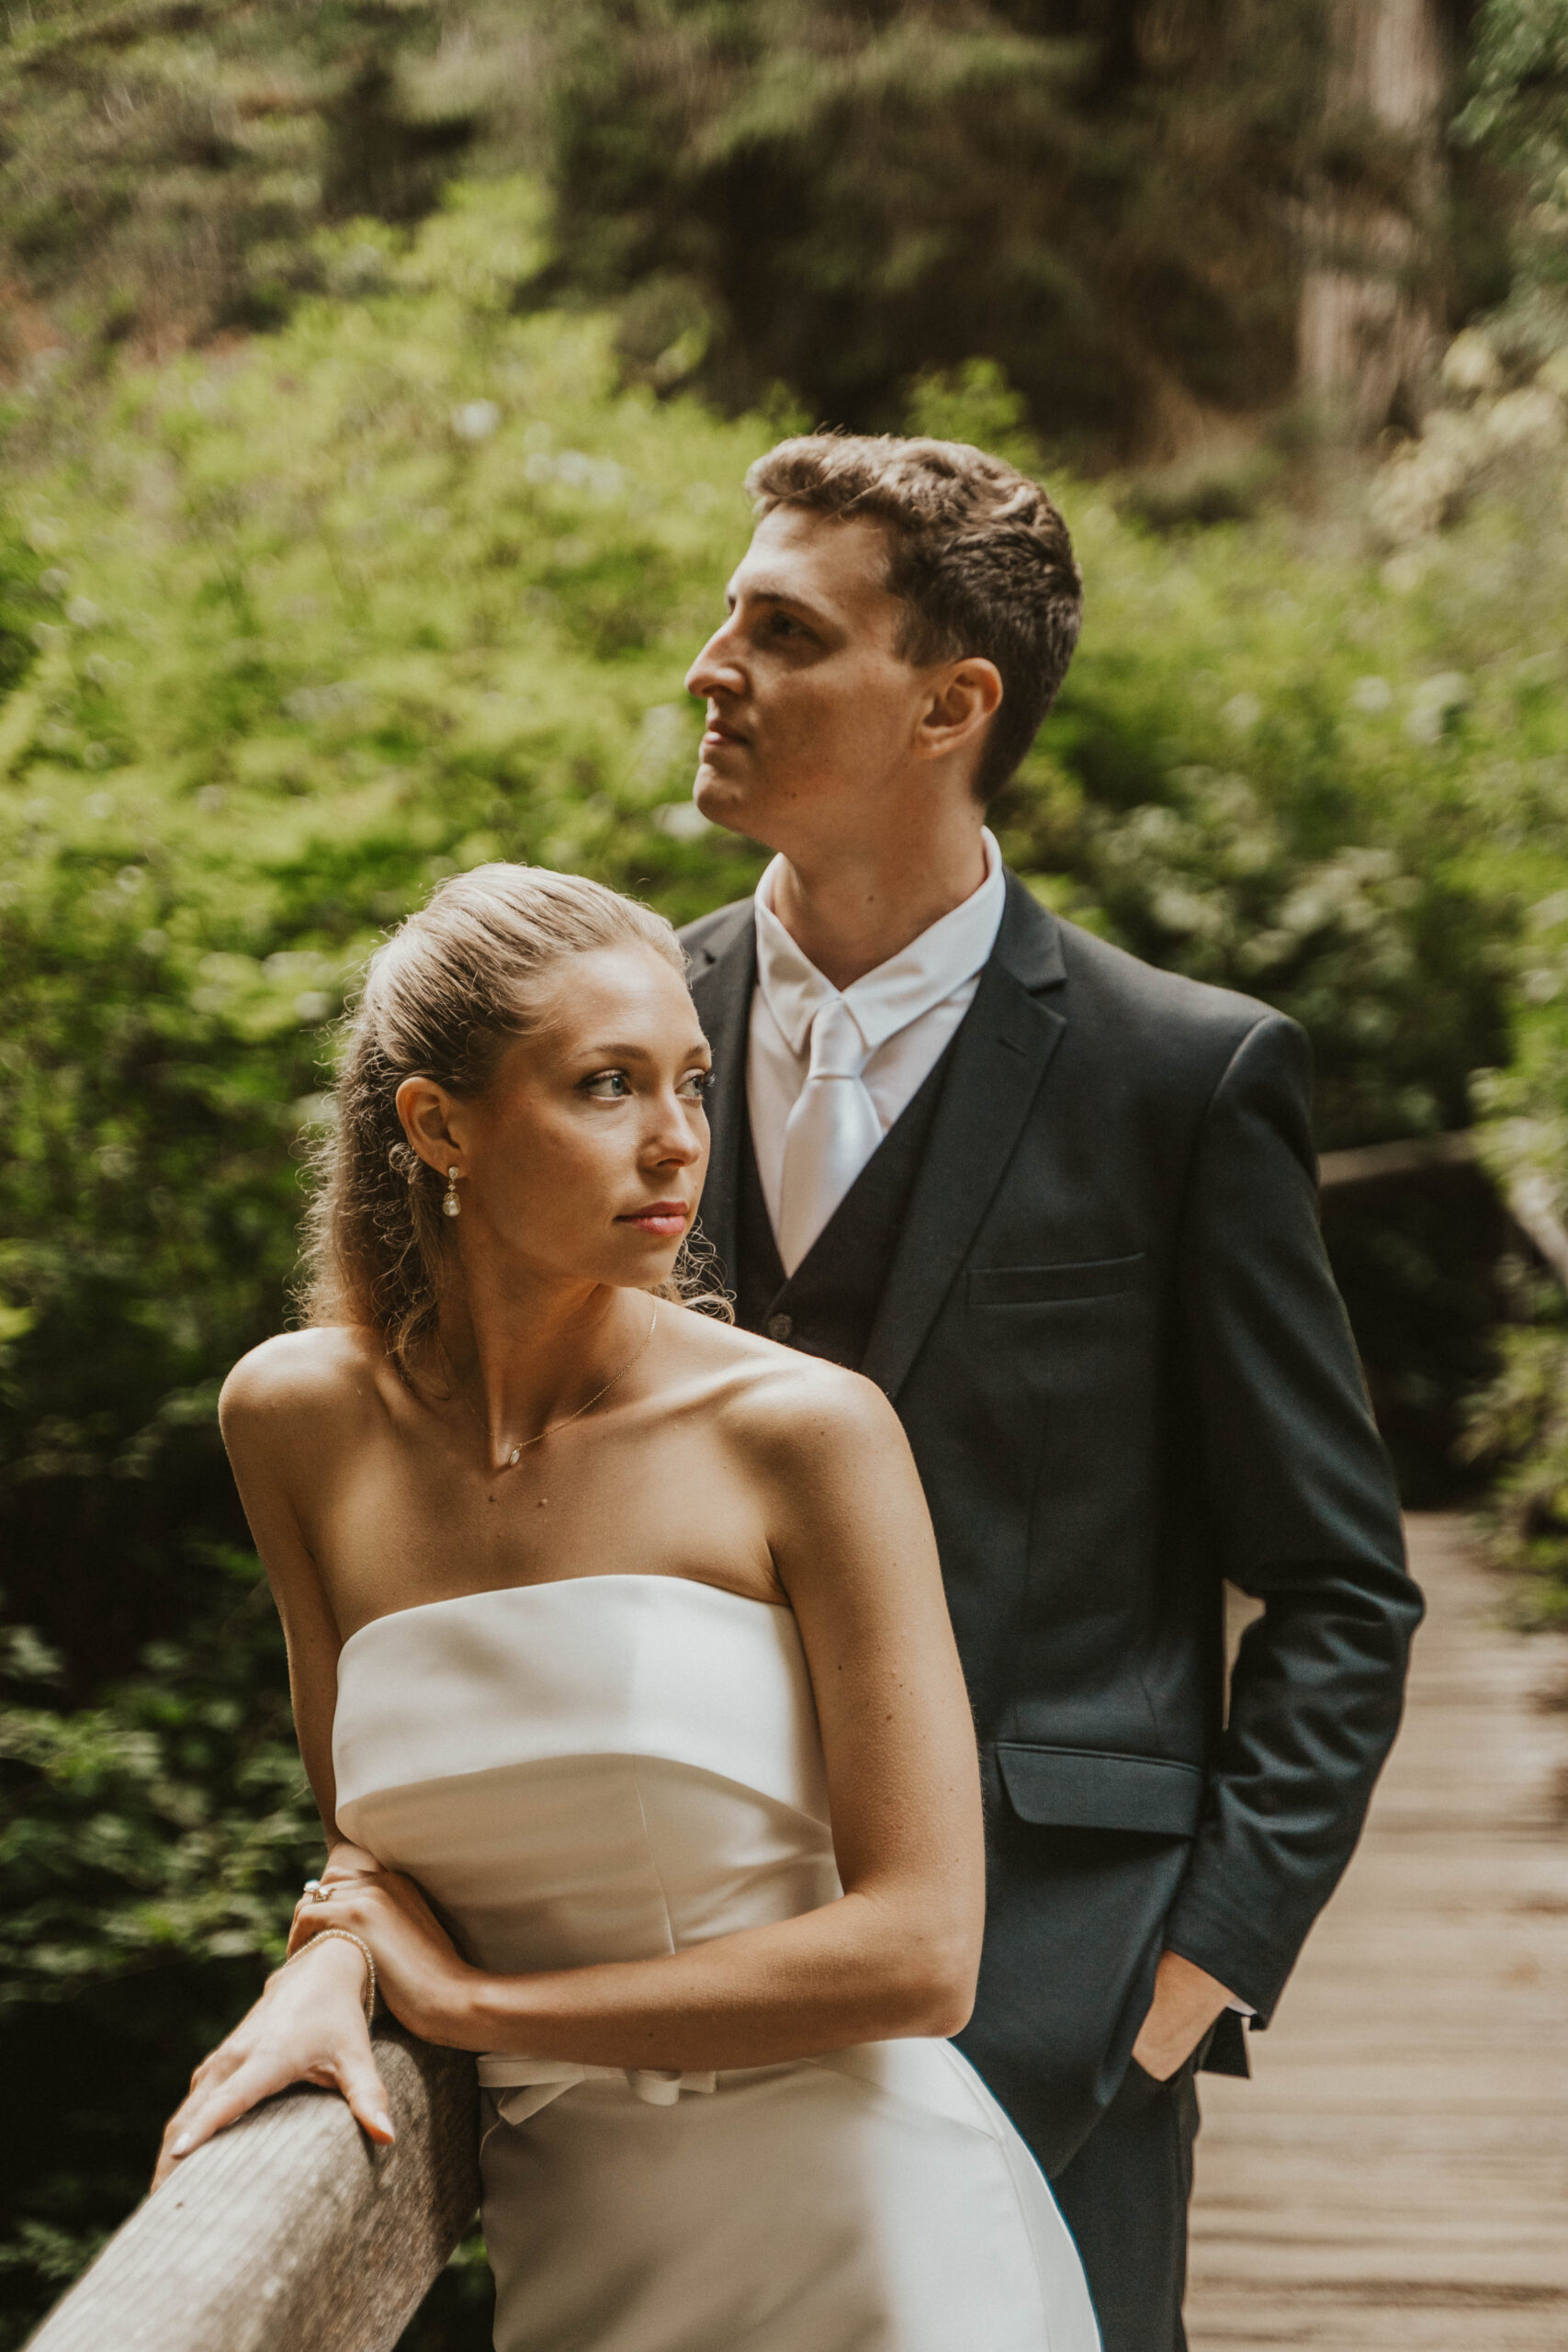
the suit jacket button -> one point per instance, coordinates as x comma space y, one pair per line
781, 1327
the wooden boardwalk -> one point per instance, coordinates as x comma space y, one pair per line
1395, 2176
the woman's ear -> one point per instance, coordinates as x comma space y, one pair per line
426, 1110
966, 697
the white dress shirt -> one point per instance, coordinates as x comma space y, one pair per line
907, 1012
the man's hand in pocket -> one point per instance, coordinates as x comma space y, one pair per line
1186, 2003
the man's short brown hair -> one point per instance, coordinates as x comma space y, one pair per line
980, 558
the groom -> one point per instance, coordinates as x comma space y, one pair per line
1061, 1207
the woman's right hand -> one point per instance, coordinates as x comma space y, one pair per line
308, 2026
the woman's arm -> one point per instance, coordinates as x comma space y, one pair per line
279, 1406
852, 1543
309, 2025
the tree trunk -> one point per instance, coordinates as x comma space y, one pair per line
1369, 310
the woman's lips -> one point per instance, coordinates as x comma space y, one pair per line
666, 1219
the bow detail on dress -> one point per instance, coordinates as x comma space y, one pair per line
521, 2087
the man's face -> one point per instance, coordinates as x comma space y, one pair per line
812, 714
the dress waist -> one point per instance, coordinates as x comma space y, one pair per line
522, 2086
926, 2073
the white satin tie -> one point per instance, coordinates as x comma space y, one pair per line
832, 1132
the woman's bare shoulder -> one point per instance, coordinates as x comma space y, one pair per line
786, 1408
329, 1367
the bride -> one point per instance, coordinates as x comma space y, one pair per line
623, 1681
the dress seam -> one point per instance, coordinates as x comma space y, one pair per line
652, 1857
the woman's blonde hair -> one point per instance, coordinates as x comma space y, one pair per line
443, 998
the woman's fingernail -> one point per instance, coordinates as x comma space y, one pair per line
181, 2144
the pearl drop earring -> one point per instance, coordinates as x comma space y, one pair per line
450, 1204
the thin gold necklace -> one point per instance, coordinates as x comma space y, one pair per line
550, 1427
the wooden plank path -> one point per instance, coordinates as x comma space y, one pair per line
1396, 2174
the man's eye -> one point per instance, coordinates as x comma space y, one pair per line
785, 625
608, 1085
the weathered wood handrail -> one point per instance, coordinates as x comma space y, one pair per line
1383, 1163
288, 2233
1529, 1199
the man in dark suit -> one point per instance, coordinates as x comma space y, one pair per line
1061, 1206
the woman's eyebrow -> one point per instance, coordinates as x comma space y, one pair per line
626, 1053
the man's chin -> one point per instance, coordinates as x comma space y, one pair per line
721, 801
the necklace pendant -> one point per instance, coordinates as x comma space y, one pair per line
513, 1458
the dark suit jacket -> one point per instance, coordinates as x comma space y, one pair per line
1112, 1335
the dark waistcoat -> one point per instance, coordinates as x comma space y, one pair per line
827, 1307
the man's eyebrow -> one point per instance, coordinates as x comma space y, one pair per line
770, 592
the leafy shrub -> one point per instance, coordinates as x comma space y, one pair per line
1517, 1421
1516, 115
1519, 1426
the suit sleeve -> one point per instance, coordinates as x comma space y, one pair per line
1302, 1510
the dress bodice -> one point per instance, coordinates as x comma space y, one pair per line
609, 1767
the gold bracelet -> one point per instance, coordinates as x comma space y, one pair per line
345, 1936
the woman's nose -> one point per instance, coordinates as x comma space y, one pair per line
678, 1141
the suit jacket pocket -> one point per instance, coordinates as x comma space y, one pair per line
1033, 1285
1081, 1788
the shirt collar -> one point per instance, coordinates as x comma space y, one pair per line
887, 998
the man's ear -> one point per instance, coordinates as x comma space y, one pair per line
966, 697
426, 1111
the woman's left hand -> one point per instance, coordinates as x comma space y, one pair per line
422, 1975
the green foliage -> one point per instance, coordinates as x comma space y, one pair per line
165, 167
1517, 115
148, 1845
813, 192
296, 627
1517, 1421
1239, 794
1518, 1424
167, 1821
835, 197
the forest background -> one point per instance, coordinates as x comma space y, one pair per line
375, 384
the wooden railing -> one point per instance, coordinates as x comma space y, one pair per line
1529, 1200
288, 2233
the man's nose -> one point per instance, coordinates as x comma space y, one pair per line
716, 669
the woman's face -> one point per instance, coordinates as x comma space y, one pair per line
584, 1158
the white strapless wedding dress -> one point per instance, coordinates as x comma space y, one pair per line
618, 1767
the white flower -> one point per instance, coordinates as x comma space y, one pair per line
475, 420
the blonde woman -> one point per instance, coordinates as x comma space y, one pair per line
625, 1684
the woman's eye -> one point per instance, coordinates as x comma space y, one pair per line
696, 1083
608, 1085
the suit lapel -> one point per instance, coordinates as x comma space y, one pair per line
721, 989
999, 1057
